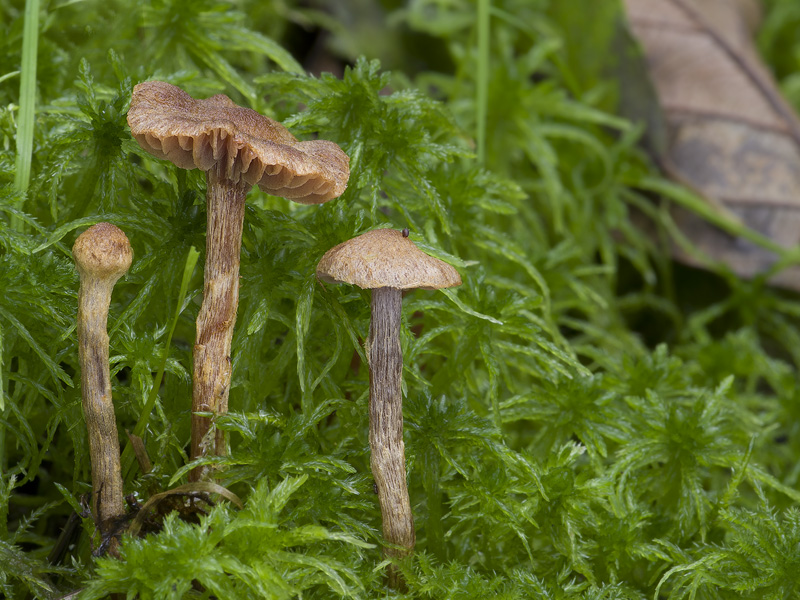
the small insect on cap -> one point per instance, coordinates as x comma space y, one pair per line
103, 251
200, 134
385, 258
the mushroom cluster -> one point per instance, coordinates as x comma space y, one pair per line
239, 148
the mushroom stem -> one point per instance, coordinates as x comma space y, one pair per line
102, 255
94, 299
388, 461
217, 316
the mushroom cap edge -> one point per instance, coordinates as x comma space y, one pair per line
201, 133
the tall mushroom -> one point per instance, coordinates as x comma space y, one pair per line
102, 254
237, 148
387, 262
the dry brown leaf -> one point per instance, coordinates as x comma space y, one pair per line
728, 132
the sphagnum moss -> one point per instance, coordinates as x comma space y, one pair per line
548, 484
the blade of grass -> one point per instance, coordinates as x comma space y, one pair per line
8, 75
482, 98
2, 427
687, 199
141, 424
453, 297
27, 101
2, 393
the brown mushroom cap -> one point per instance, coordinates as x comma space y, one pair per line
198, 134
385, 258
103, 251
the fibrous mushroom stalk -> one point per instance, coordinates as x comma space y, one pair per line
217, 316
102, 254
386, 261
98, 409
237, 148
388, 461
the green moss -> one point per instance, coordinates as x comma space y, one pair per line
582, 421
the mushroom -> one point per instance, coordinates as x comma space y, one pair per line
237, 148
386, 261
102, 254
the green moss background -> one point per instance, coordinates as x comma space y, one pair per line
585, 419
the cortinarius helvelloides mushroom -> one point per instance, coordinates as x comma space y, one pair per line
102, 254
237, 148
386, 261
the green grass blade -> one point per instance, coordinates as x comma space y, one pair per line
246, 39
453, 297
27, 99
52, 366
3, 524
482, 98
8, 75
302, 322
713, 215
2, 393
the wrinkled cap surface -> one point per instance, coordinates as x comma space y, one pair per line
384, 258
199, 134
103, 251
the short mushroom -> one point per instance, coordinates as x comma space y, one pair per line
386, 261
237, 148
102, 254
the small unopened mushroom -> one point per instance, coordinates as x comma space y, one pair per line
237, 148
102, 254
386, 261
